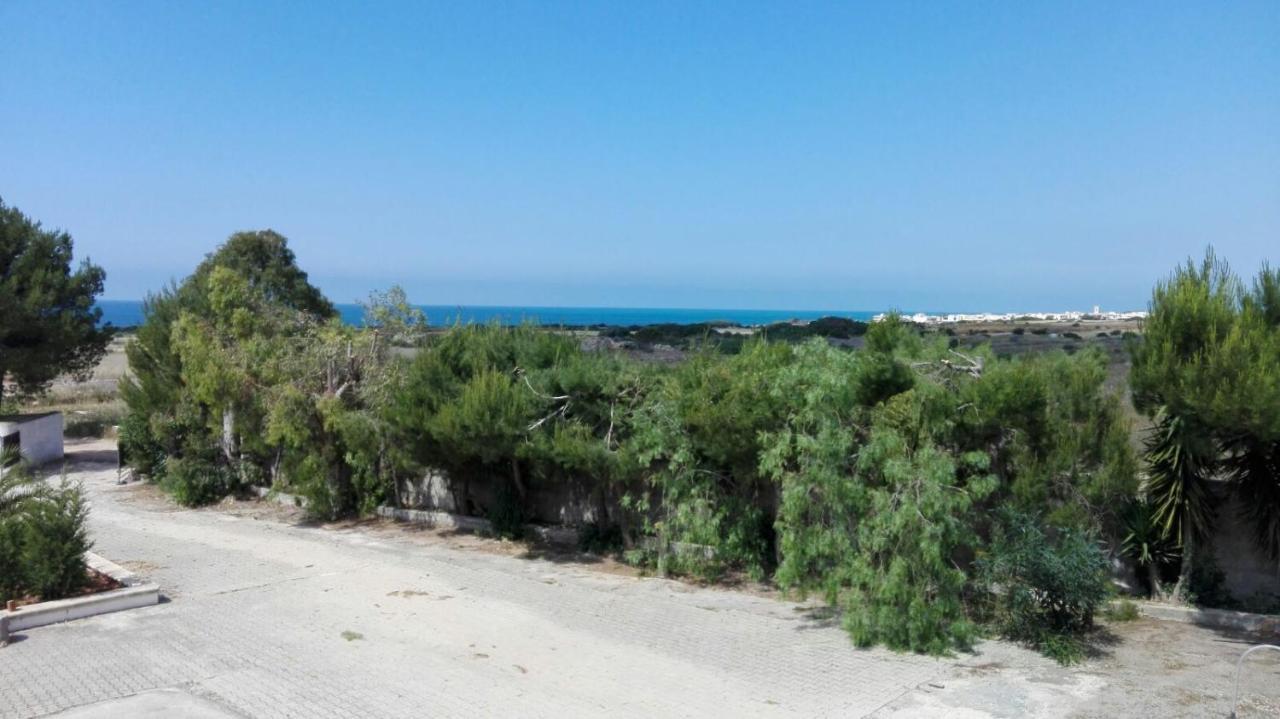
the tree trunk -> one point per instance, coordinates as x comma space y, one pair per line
275, 467
624, 527
1153, 577
1180, 589
602, 506
229, 448
515, 475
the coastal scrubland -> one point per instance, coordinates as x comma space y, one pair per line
932, 484
876, 466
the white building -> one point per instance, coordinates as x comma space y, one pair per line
38, 437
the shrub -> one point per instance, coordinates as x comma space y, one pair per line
11, 574
904, 591
1207, 583
1019, 330
1123, 610
506, 513
1043, 590
54, 541
138, 446
596, 538
193, 481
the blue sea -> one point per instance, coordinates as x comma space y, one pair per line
128, 313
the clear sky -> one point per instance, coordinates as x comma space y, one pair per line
926, 156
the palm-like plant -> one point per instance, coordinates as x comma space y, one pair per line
18, 493
1180, 460
17, 485
1145, 543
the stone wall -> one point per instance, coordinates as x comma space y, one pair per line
1248, 570
548, 503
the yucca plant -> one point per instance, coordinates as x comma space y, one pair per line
1181, 458
1145, 543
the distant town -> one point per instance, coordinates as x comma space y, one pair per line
1071, 316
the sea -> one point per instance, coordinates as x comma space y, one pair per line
128, 313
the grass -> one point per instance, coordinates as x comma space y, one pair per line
1123, 610
88, 410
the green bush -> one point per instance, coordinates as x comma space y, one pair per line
505, 513
43, 537
195, 481
139, 447
596, 538
1207, 583
11, 574
1123, 610
1044, 587
54, 541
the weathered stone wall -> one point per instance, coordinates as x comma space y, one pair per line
1248, 570
547, 503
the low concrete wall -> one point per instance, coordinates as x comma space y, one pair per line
1213, 618
436, 519
135, 593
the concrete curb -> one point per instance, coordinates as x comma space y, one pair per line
135, 593
1212, 618
436, 519
564, 536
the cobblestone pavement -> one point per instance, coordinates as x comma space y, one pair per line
276, 619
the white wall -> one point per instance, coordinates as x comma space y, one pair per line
41, 440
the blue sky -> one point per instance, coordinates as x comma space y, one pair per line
851, 156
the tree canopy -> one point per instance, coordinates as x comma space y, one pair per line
48, 322
1207, 370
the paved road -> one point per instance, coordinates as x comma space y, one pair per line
270, 619
267, 618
